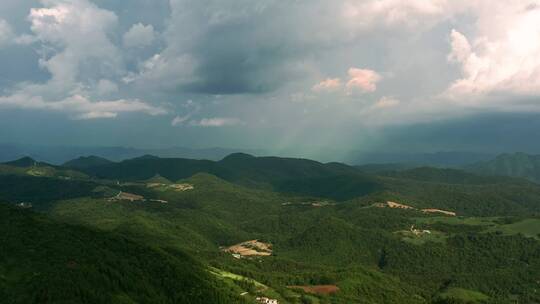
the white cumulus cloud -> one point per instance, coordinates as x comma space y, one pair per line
80, 107
364, 80
328, 85
217, 122
139, 35
503, 53
80, 56
79, 30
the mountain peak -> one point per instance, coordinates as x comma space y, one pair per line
22, 162
146, 156
238, 156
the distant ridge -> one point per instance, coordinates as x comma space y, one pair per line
237, 157
146, 156
86, 162
514, 165
62, 154
293, 175
22, 162
454, 159
158, 179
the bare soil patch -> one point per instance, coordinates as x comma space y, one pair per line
126, 196
250, 248
395, 205
176, 187
317, 289
182, 187
431, 210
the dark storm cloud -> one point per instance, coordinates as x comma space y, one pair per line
490, 133
245, 47
310, 73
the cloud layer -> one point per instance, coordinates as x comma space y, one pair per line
258, 65
80, 56
502, 56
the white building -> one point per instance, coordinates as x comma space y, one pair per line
264, 300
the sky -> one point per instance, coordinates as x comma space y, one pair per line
299, 75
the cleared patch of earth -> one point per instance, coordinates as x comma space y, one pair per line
317, 289
250, 248
176, 187
395, 205
431, 210
126, 196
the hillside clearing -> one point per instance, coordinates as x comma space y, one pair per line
420, 237
126, 196
250, 248
317, 289
176, 187
236, 277
431, 210
393, 205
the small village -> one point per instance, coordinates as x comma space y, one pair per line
265, 300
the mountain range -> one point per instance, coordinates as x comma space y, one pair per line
177, 230
61, 154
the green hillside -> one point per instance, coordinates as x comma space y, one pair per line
326, 224
28, 166
313, 245
43, 261
298, 176
42, 191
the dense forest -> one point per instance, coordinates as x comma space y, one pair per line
43, 261
326, 224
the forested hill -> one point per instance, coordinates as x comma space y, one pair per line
121, 232
23, 162
42, 261
301, 176
235, 166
